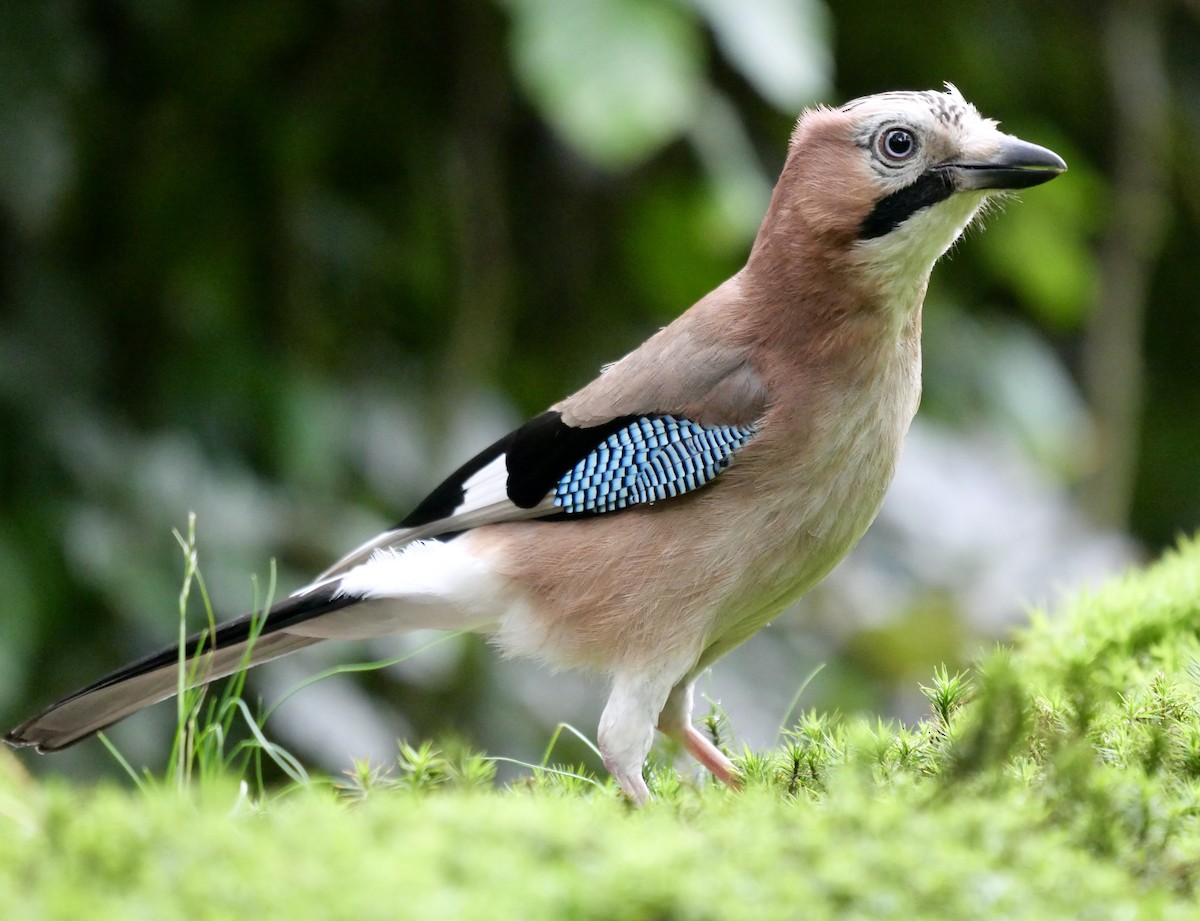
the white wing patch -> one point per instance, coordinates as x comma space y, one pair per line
485, 500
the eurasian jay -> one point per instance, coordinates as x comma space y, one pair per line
652, 521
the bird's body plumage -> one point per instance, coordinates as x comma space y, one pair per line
662, 514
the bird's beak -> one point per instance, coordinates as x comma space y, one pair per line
1016, 164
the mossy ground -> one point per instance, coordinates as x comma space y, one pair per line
1060, 778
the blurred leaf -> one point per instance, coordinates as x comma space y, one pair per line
1000, 372
781, 46
44, 58
903, 647
739, 187
38, 162
674, 260
617, 79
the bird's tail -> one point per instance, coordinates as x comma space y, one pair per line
246, 641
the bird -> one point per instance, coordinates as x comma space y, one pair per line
662, 514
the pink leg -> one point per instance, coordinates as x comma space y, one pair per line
707, 754
676, 721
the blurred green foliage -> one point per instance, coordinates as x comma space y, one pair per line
283, 263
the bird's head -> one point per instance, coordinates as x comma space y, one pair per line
886, 184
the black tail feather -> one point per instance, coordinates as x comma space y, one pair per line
252, 639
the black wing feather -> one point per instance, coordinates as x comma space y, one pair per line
537, 453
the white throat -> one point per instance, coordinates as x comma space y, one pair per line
898, 263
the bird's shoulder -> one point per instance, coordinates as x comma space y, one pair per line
699, 367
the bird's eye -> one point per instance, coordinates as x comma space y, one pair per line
897, 144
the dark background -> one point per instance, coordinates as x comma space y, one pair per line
284, 263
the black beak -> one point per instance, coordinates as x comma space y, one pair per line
1016, 165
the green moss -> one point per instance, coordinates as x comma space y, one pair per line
1060, 778
855, 854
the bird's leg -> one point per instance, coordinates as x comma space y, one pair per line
627, 726
710, 756
676, 721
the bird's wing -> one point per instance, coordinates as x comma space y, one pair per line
548, 469
664, 420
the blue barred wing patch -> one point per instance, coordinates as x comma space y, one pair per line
652, 458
